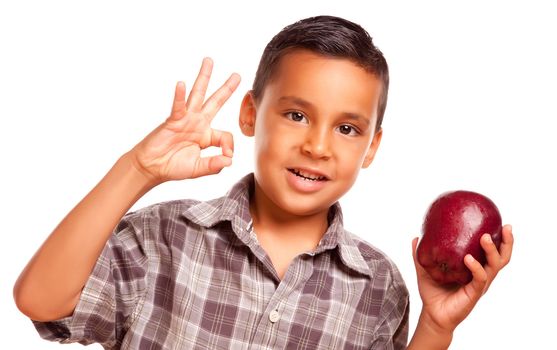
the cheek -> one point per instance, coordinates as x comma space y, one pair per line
350, 170
268, 143
275, 137
351, 154
262, 136
350, 158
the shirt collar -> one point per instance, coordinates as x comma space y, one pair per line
234, 207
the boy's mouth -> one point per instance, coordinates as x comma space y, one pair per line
307, 175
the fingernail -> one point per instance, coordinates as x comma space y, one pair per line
469, 258
488, 238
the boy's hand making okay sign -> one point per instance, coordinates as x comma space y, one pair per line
173, 150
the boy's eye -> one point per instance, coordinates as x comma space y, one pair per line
347, 130
296, 116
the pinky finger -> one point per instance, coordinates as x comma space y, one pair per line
506, 248
179, 104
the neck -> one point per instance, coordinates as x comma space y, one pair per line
286, 227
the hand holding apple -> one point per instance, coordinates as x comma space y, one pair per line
446, 306
452, 228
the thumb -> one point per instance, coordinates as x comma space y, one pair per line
211, 165
214, 164
414, 254
420, 271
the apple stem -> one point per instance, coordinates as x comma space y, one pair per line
444, 267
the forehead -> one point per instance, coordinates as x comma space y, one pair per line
331, 83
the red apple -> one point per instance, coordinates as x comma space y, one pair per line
452, 228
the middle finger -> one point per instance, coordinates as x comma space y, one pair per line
199, 89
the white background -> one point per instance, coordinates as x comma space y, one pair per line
472, 106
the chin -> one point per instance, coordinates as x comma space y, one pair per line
305, 210
300, 206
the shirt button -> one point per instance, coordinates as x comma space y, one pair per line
274, 316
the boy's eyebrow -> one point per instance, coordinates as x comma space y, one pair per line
357, 117
296, 100
306, 104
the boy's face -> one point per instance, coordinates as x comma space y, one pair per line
314, 130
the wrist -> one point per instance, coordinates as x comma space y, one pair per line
430, 335
135, 172
127, 178
433, 327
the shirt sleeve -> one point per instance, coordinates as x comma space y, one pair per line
114, 291
392, 331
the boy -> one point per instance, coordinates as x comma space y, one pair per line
268, 266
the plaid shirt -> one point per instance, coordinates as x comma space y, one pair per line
191, 275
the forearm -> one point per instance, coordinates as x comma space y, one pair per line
50, 285
429, 336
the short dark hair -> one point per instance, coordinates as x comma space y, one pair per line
329, 36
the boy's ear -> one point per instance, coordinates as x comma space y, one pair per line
248, 113
372, 148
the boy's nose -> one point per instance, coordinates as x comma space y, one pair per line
317, 144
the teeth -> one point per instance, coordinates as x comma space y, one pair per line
308, 176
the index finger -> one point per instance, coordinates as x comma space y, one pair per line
219, 97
